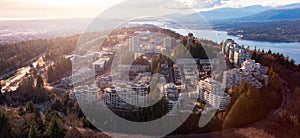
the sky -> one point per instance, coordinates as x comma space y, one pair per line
50, 9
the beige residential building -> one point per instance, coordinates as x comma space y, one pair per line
235, 53
212, 93
250, 71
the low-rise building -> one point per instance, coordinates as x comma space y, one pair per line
250, 71
171, 93
186, 62
86, 94
120, 97
101, 64
121, 94
82, 75
188, 70
133, 68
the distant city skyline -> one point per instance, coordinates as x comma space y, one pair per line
58, 9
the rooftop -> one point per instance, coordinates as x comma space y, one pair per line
101, 61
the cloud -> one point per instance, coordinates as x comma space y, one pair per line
154, 8
202, 4
91, 8
54, 8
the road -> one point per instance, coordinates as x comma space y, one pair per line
21, 73
287, 94
44, 106
55, 88
13, 84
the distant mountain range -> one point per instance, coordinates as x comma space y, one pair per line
255, 13
281, 24
282, 13
227, 13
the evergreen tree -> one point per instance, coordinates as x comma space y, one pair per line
247, 109
287, 60
253, 56
5, 128
259, 50
245, 85
54, 129
292, 62
269, 52
281, 55
57, 105
21, 111
1, 96
270, 72
73, 133
275, 81
29, 107
277, 54
39, 82
235, 94
49, 115
34, 131
65, 102
50, 74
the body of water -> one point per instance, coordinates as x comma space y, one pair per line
15, 31
288, 49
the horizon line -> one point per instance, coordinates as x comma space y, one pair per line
36, 19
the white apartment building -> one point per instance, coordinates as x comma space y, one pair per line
250, 65
213, 61
171, 93
189, 70
186, 62
132, 68
100, 64
124, 94
251, 71
225, 45
173, 107
190, 38
225, 101
170, 90
134, 44
128, 96
86, 94
123, 97
212, 93
109, 96
235, 53
230, 78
